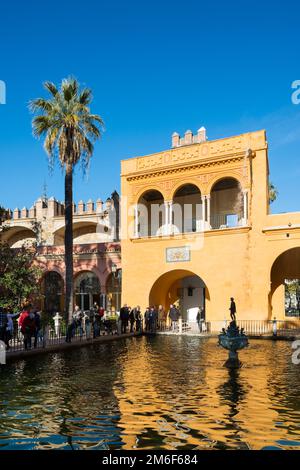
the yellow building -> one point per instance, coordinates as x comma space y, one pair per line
197, 230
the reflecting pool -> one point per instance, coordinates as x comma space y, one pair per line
159, 392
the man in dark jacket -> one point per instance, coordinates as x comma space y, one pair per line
174, 316
138, 318
124, 316
132, 319
152, 319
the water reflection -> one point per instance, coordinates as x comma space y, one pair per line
163, 392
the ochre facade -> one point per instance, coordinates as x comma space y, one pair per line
234, 245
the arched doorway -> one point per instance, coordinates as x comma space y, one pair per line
285, 285
113, 291
87, 290
52, 289
227, 204
187, 209
183, 288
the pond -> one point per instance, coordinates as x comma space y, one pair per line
159, 392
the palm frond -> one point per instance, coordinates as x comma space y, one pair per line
49, 86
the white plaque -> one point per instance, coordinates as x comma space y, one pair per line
178, 254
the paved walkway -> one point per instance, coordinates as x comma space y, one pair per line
61, 345
289, 337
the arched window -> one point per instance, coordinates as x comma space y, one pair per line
150, 214
227, 205
187, 213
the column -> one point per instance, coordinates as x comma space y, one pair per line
166, 224
203, 198
245, 207
208, 212
136, 221
170, 224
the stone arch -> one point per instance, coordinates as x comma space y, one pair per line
146, 189
175, 286
226, 203
228, 175
83, 232
17, 235
284, 296
151, 213
187, 209
189, 181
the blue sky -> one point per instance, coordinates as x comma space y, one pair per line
154, 67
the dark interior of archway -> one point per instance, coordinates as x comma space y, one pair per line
187, 190
152, 195
227, 183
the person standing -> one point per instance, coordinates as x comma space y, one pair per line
3, 324
174, 316
87, 325
232, 309
153, 319
71, 328
124, 316
147, 319
37, 327
198, 319
27, 324
161, 317
132, 319
97, 324
138, 318
10, 326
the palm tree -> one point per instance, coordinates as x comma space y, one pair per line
69, 128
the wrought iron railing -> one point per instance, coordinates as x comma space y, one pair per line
48, 336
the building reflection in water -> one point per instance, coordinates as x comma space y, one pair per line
177, 394
159, 392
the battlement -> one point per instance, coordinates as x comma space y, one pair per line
189, 138
51, 207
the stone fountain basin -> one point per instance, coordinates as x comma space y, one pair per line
233, 343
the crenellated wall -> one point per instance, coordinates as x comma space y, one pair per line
93, 222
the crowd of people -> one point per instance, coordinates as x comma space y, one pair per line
89, 322
94, 322
154, 318
28, 323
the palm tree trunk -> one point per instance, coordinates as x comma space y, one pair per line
69, 241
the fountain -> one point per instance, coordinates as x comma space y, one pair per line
233, 339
